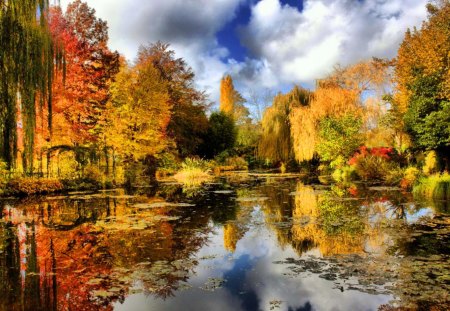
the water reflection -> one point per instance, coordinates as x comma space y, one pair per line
243, 244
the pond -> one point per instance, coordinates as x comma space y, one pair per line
241, 243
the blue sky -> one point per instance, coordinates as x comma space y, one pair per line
228, 36
263, 44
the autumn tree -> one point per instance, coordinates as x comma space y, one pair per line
276, 142
231, 101
139, 112
82, 93
423, 82
188, 122
327, 101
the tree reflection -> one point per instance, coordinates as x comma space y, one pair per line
83, 254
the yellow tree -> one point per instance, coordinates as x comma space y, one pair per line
276, 142
139, 112
330, 101
423, 82
231, 101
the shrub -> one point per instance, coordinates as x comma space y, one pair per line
376, 164
434, 187
30, 186
344, 174
238, 163
196, 163
410, 176
168, 163
431, 164
93, 173
3, 176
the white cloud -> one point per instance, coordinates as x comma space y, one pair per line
287, 46
303, 46
188, 25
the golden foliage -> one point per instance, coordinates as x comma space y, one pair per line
231, 101
327, 101
139, 111
425, 51
275, 143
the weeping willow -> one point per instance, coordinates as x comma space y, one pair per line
27, 62
276, 143
327, 101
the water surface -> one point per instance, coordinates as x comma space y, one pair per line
239, 244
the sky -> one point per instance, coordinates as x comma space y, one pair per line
263, 44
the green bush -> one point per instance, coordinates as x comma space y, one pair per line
3, 176
436, 186
30, 186
373, 167
168, 163
196, 163
194, 172
344, 174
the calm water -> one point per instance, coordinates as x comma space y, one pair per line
239, 244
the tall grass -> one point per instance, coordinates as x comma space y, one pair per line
436, 186
194, 172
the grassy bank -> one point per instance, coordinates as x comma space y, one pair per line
436, 186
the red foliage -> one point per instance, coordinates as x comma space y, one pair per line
80, 96
353, 190
363, 151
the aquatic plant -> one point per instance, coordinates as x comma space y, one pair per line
194, 172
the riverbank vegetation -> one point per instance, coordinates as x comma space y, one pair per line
78, 115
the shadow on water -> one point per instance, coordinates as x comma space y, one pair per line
242, 243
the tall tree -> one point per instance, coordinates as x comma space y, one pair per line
188, 122
423, 81
276, 143
81, 95
327, 101
139, 112
231, 101
26, 70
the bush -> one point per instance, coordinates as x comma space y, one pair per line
93, 173
237, 163
376, 164
344, 174
434, 187
168, 163
431, 164
194, 172
30, 186
410, 176
196, 163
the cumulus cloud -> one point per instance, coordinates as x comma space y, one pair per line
285, 45
188, 25
298, 47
